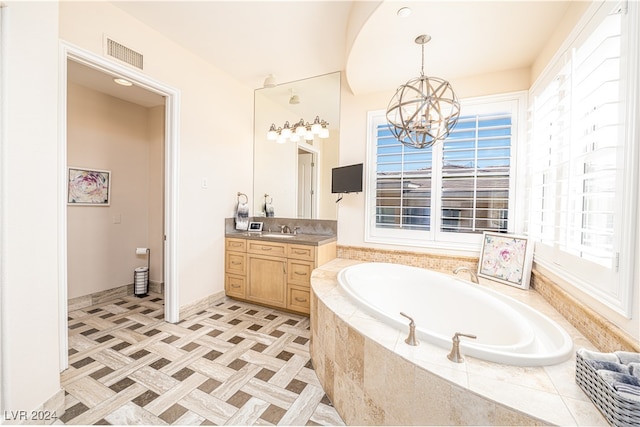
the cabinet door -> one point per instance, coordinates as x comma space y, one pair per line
235, 263
267, 280
299, 272
298, 299
235, 286
304, 252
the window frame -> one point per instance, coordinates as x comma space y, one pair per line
434, 238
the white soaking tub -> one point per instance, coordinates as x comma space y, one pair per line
507, 331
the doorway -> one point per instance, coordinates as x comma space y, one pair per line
169, 194
307, 183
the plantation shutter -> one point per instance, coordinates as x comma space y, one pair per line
476, 161
577, 137
403, 183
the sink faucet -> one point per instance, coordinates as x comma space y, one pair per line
295, 229
472, 274
285, 229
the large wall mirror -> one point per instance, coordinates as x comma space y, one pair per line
294, 177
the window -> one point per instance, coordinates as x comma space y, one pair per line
447, 194
581, 159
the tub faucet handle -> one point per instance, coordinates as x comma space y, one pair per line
411, 339
455, 355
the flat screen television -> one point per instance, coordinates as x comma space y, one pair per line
347, 179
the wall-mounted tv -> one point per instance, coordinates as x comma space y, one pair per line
347, 179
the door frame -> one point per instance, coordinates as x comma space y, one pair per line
316, 177
171, 147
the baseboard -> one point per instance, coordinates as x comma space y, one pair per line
200, 305
109, 294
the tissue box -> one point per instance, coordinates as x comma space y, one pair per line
619, 411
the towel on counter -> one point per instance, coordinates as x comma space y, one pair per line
242, 216
627, 357
595, 355
608, 366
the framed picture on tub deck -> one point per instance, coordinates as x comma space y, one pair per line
506, 258
88, 187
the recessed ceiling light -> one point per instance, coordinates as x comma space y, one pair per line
404, 12
122, 82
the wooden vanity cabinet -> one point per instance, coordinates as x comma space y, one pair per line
276, 274
235, 268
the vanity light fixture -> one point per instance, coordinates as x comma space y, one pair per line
424, 110
122, 82
300, 129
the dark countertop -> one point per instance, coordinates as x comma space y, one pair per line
301, 239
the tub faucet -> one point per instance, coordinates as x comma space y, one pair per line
455, 355
472, 274
411, 339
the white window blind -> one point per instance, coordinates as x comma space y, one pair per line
577, 156
452, 191
476, 174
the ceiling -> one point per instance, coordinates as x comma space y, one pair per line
367, 40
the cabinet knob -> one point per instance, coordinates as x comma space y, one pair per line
298, 299
235, 286
299, 273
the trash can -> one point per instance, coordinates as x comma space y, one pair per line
141, 281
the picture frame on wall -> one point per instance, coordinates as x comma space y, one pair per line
88, 187
506, 258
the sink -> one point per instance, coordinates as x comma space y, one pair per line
280, 236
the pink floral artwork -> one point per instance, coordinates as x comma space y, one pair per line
505, 258
88, 187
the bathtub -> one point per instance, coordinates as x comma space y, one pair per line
507, 330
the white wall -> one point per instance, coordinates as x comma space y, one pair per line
29, 176
108, 133
216, 136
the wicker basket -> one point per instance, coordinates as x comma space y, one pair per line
618, 410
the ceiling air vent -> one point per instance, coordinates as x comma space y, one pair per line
123, 53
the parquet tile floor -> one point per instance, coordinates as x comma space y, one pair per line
232, 364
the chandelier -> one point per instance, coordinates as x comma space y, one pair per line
424, 110
298, 131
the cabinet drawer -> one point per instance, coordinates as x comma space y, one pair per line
298, 299
267, 248
304, 252
236, 263
299, 272
237, 245
235, 286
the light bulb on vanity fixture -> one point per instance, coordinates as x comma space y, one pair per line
299, 130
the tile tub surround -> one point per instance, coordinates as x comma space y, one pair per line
602, 333
373, 377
